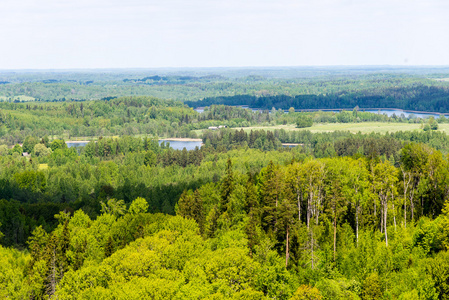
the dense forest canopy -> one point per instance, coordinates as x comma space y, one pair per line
341, 215
366, 225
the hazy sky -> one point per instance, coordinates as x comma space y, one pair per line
214, 33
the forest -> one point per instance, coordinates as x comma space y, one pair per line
415, 98
341, 215
300, 87
245, 223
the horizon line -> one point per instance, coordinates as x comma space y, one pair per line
220, 67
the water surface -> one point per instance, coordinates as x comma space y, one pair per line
179, 145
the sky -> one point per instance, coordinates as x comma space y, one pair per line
67, 34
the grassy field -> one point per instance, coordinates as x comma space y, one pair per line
365, 127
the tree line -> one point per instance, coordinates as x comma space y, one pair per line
418, 98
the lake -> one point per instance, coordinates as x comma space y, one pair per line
389, 112
76, 143
398, 112
179, 145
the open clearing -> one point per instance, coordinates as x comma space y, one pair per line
364, 127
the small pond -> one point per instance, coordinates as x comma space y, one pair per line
179, 145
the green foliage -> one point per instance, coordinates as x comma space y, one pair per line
139, 205
13, 229
338, 289
433, 124
438, 269
304, 121
41, 150
29, 143
227, 186
113, 207
162, 256
13, 279
150, 158
190, 205
172, 262
17, 149
305, 292
372, 287
33, 181
58, 144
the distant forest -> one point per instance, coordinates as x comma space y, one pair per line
418, 98
301, 88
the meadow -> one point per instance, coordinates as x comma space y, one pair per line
364, 127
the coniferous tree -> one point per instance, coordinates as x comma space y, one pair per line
271, 188
190, 205
227, 186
